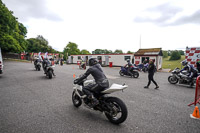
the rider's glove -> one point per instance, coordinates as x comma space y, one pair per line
76, 81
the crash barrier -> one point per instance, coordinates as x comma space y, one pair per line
197, 92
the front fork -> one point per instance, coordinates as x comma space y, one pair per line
78, 88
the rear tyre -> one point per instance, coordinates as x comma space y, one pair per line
50, 73
121, 73
76, 100
135, 74
172, 80
117, 110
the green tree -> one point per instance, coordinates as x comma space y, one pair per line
130, 52
175, 55
169, 52
84, 51
118, 51
102, 51
165, 54
71, 49
181, 52
12, 33
107, 51
39, 44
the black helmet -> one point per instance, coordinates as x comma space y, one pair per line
184, 63
92, 61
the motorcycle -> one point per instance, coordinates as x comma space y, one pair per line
38, 66
82, 65
145, 67
124, 71
135, 67
49, 71
181, 77
114, 109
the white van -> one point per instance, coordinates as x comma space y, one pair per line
1, 62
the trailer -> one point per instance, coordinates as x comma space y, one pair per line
104, 59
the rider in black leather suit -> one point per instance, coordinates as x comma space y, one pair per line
129, 67
45, 63
101, 80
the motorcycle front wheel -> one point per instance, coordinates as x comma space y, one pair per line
172, 80
76, 99
117, 110
121, 73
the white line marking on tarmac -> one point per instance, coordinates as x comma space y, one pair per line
111, 77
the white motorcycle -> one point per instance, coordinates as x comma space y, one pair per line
114, 108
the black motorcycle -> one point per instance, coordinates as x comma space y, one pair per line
181, 77
48, 69
124, 71
37, 65
50, 72
82, 65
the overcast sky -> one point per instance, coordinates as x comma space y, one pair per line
111, 24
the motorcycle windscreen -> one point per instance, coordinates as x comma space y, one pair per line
114, 88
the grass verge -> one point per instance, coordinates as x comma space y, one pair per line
171, 64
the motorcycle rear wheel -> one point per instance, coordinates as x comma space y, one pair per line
118, 107
76, 99
50, 73
135, 74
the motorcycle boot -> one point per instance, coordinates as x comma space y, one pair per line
94, 101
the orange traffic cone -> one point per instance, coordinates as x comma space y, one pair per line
74, 76
195, 113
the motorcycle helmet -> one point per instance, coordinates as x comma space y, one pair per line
92, 61
184, 62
